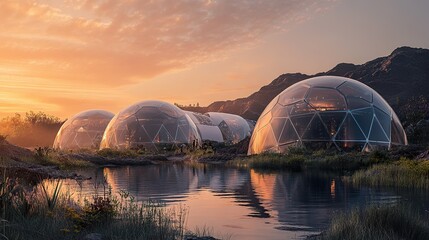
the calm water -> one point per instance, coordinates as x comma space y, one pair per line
245, 204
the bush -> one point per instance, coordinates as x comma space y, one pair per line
378, 223
33, 129
108, 152
402, 173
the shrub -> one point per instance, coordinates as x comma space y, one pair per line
378, 223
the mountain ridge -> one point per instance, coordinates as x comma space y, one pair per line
405, 70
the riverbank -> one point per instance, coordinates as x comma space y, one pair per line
347, 165
407, 166
45, 212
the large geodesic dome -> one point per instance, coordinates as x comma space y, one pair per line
83, 131
150, 125
327, 112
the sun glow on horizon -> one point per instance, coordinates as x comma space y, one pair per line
63, 57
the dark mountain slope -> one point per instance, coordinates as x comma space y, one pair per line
397, 77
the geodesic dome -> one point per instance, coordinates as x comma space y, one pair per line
83, 131
234, 128
150, 125
207, 130
327, 112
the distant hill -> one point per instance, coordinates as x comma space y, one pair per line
397, 77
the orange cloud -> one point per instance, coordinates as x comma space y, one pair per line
119, 42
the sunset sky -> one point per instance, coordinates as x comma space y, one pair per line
63, 57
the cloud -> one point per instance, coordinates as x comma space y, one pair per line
113, 42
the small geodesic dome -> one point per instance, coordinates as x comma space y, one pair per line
327, 112
233, 127
206, 128
83, 131
151, 126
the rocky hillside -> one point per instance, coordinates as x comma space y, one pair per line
397, 77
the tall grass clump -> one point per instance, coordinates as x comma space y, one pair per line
403, 173
47, 212
52, 198
377, 223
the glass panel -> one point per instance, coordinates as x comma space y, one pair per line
300, 122
270, 106
377, 133
398, 134
384, 120
326, 99
259, 140
364, 119
293, 94
332, 121
381, 104
355, 103
171, 128
327, 81
138, 134
395, 137
163, 136
357, 90
316, 130
288, 134
270, 140
170, 111
151, 128
277, 125
182, 134
264, 120
301, 108
281, 111
83, 140
226, 132
349, 130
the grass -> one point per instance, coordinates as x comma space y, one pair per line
271, 162
43, 212
108, 152
300, 159
51, 199
403, 173
377, 223
48, 157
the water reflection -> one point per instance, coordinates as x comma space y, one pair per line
247, 204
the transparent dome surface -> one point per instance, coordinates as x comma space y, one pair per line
206, 128
234, 128
83, 131
150, 125
327, 112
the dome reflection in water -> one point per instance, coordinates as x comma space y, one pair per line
246, 204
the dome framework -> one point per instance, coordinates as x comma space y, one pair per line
327, 112
83, 131
150, 125
221, 127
